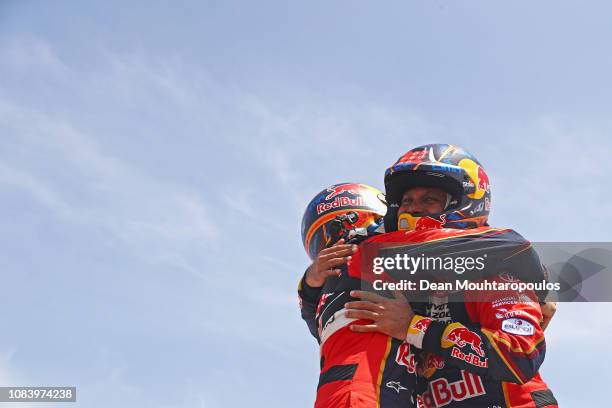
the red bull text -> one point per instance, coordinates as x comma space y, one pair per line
340, 202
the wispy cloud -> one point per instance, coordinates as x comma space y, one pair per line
75, 171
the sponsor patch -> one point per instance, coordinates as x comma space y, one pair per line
518, 326
503, 313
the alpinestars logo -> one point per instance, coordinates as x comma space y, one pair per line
396, 386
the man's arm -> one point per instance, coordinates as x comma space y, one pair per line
505, 341
309, 297
310, 286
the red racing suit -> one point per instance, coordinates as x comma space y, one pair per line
470, 348
358, 370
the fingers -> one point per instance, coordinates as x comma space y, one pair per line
364, 305
331, 272
364, 328
336, 261
361, 314
336, 247
337, 252
329, 258
372, 297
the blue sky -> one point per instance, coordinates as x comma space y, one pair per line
156, 157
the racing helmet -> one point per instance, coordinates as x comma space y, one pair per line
447, 167
341, 211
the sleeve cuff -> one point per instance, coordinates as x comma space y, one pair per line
424, 333
307, 291
416, 330
433, 336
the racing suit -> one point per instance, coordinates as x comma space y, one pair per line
358, 370
470, 348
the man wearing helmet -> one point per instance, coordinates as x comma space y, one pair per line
431, 187
357, 370
475, 349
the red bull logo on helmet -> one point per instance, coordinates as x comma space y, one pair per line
483, 180
478, 177
460, 336
335, 191
340, 202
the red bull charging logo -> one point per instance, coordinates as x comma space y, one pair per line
335, 191
478, 176
429, 223
483, 180
409, 222
421, 325
462, 336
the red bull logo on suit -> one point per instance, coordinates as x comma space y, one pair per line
457, 334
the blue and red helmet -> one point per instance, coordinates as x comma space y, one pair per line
341, 207
447, 167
